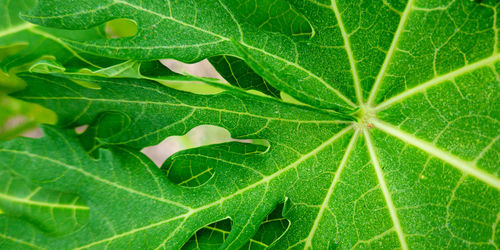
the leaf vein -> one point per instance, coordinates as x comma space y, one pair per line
464, 166
449, 76
350, 55
97, 178
390, 53
385, 190
329, 194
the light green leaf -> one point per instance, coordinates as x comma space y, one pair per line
189, 40
414, 163
54, 213
244, 115
175, 211
28, 116
23, 43
25, 46
192, 168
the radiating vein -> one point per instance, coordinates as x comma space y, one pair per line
95, 177
311, 74
184, 105
329, 194
59, 41
262, 181
41, 203
390, 53
449, 76
131, 232
170, 18
82, 12
223, 38
385, 190
294, 164
464, 166
352, 61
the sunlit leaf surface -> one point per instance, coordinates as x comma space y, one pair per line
396, 144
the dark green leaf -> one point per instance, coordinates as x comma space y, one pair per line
237, 72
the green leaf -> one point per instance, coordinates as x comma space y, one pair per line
23, 43
27, 47
43, 50
53, 212
244, 115
412, 164
239, 184
285, 55
238, 73
192, 168
214, 235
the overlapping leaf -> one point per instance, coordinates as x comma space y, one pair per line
22, 43
190, 40
238, 73
27, 47
415, 167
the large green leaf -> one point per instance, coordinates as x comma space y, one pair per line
244, 115
414, 164
22, 43
189, 39
25, 46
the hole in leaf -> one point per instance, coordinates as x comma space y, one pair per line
107, 124
20, 126
205, 69
194, 167
199, 136
271, 229
22, 118
210, 237
214, 235
200, 69
121, 27
34, 133
197, 153
81, 129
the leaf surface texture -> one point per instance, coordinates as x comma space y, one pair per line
394, 142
